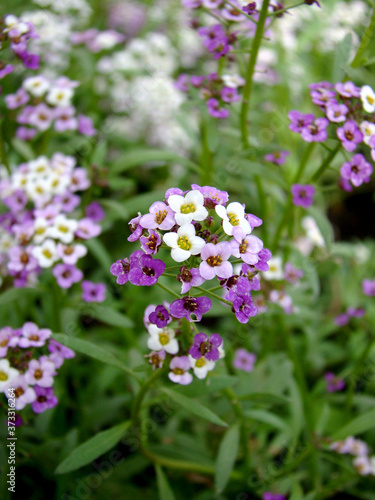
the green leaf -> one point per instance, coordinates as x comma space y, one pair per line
112, 317
99, 154
17, 294
23, 149
265, 398
140, 156
226, 458
360, 424
93, 448
92, 350
268, 418
97, 248
195, 408
164, 489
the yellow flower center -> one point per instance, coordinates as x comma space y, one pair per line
243, 246
160, 216
47, 253
3, 376
163, 339
4, 342
184, 243
178, 371
63, 229
188, 208
200, 362
38, 374
214, 261
40, 230
233, 219
370, 99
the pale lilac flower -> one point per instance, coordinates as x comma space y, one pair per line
350, 135
357, 170
363, 466
215, 261
212, 196
303, 195
336, 113
68, 201
299, 121
368, 287
136, 228
6, 70
179, 370
277, 157
93, 292
79, 180
7, 339
151, 243
85, 126
40, 372
246, 247
65, 119
316, 131
161, 216
211, 4
242, 305
22, 259
244, 360
66, 275
189, 306
206, 346
22, 392
121, 269
189, 278
16, 202
41, 117
348, 89
292, 274
229, 94
70, 254
45, 399
87, 229
16, 100
182, 82
323, 97
59, 352
25, 133
155, 359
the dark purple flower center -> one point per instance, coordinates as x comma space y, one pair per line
152, 242
148, 271
125, 266
190, 304
185, 275
41, 399
355, 169
313, 129
349, 135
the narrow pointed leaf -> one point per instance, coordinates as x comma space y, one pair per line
226, 458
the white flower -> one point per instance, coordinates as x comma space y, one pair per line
275, 271
372, 465
40, 229
36, 85
63, 229
59, 96
368, 99
7, 373
46, 254
233, 216
201, 366
162, 338
312, 231
367, 129
188, 208
233, 81
184, 243
39, 166
362, 465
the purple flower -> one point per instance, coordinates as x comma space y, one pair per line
156, 359
161, 216
87, 229
182, 82
214, 109
6, 70
30, 61
229, 94
16, 100
151, 243
348, 89
59, 353
93, 292
368, 287
334, 383
212, 196
95, 212
22, 392
85, 126
25, 133
250, 8
16, 202
192, 4
136, 228
292, 274
7, 339
336, 112
20, 259
244, 360
299, 121
160, 317
215, 261
207, 347
41, 117
342, 319
356, 312
45, 399
323, 97
40, 372
32, 336
302, 195
357, 170
188, 306
350, 135
67, 201
66, 275
278, 157
145, 271
316, 131
245, 246
268, 495
121, 269
242, 305
189, 278
179, 370
65, 119
197, 81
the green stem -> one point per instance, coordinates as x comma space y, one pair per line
250, 73
305, 158
241, 11
3, 154
326, 163
168, 290
207, 156
214, 295
278, 12
367, 37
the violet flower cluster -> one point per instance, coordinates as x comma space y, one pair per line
351, 110
17, 33
43, 226
363, 463
42, 103
217, 91
29, 361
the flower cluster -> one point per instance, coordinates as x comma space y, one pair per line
29, 360
42, 227
351, 110
218, 91
351, 312
364, 464
17, 33
97, 41
203, 233
41, 103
